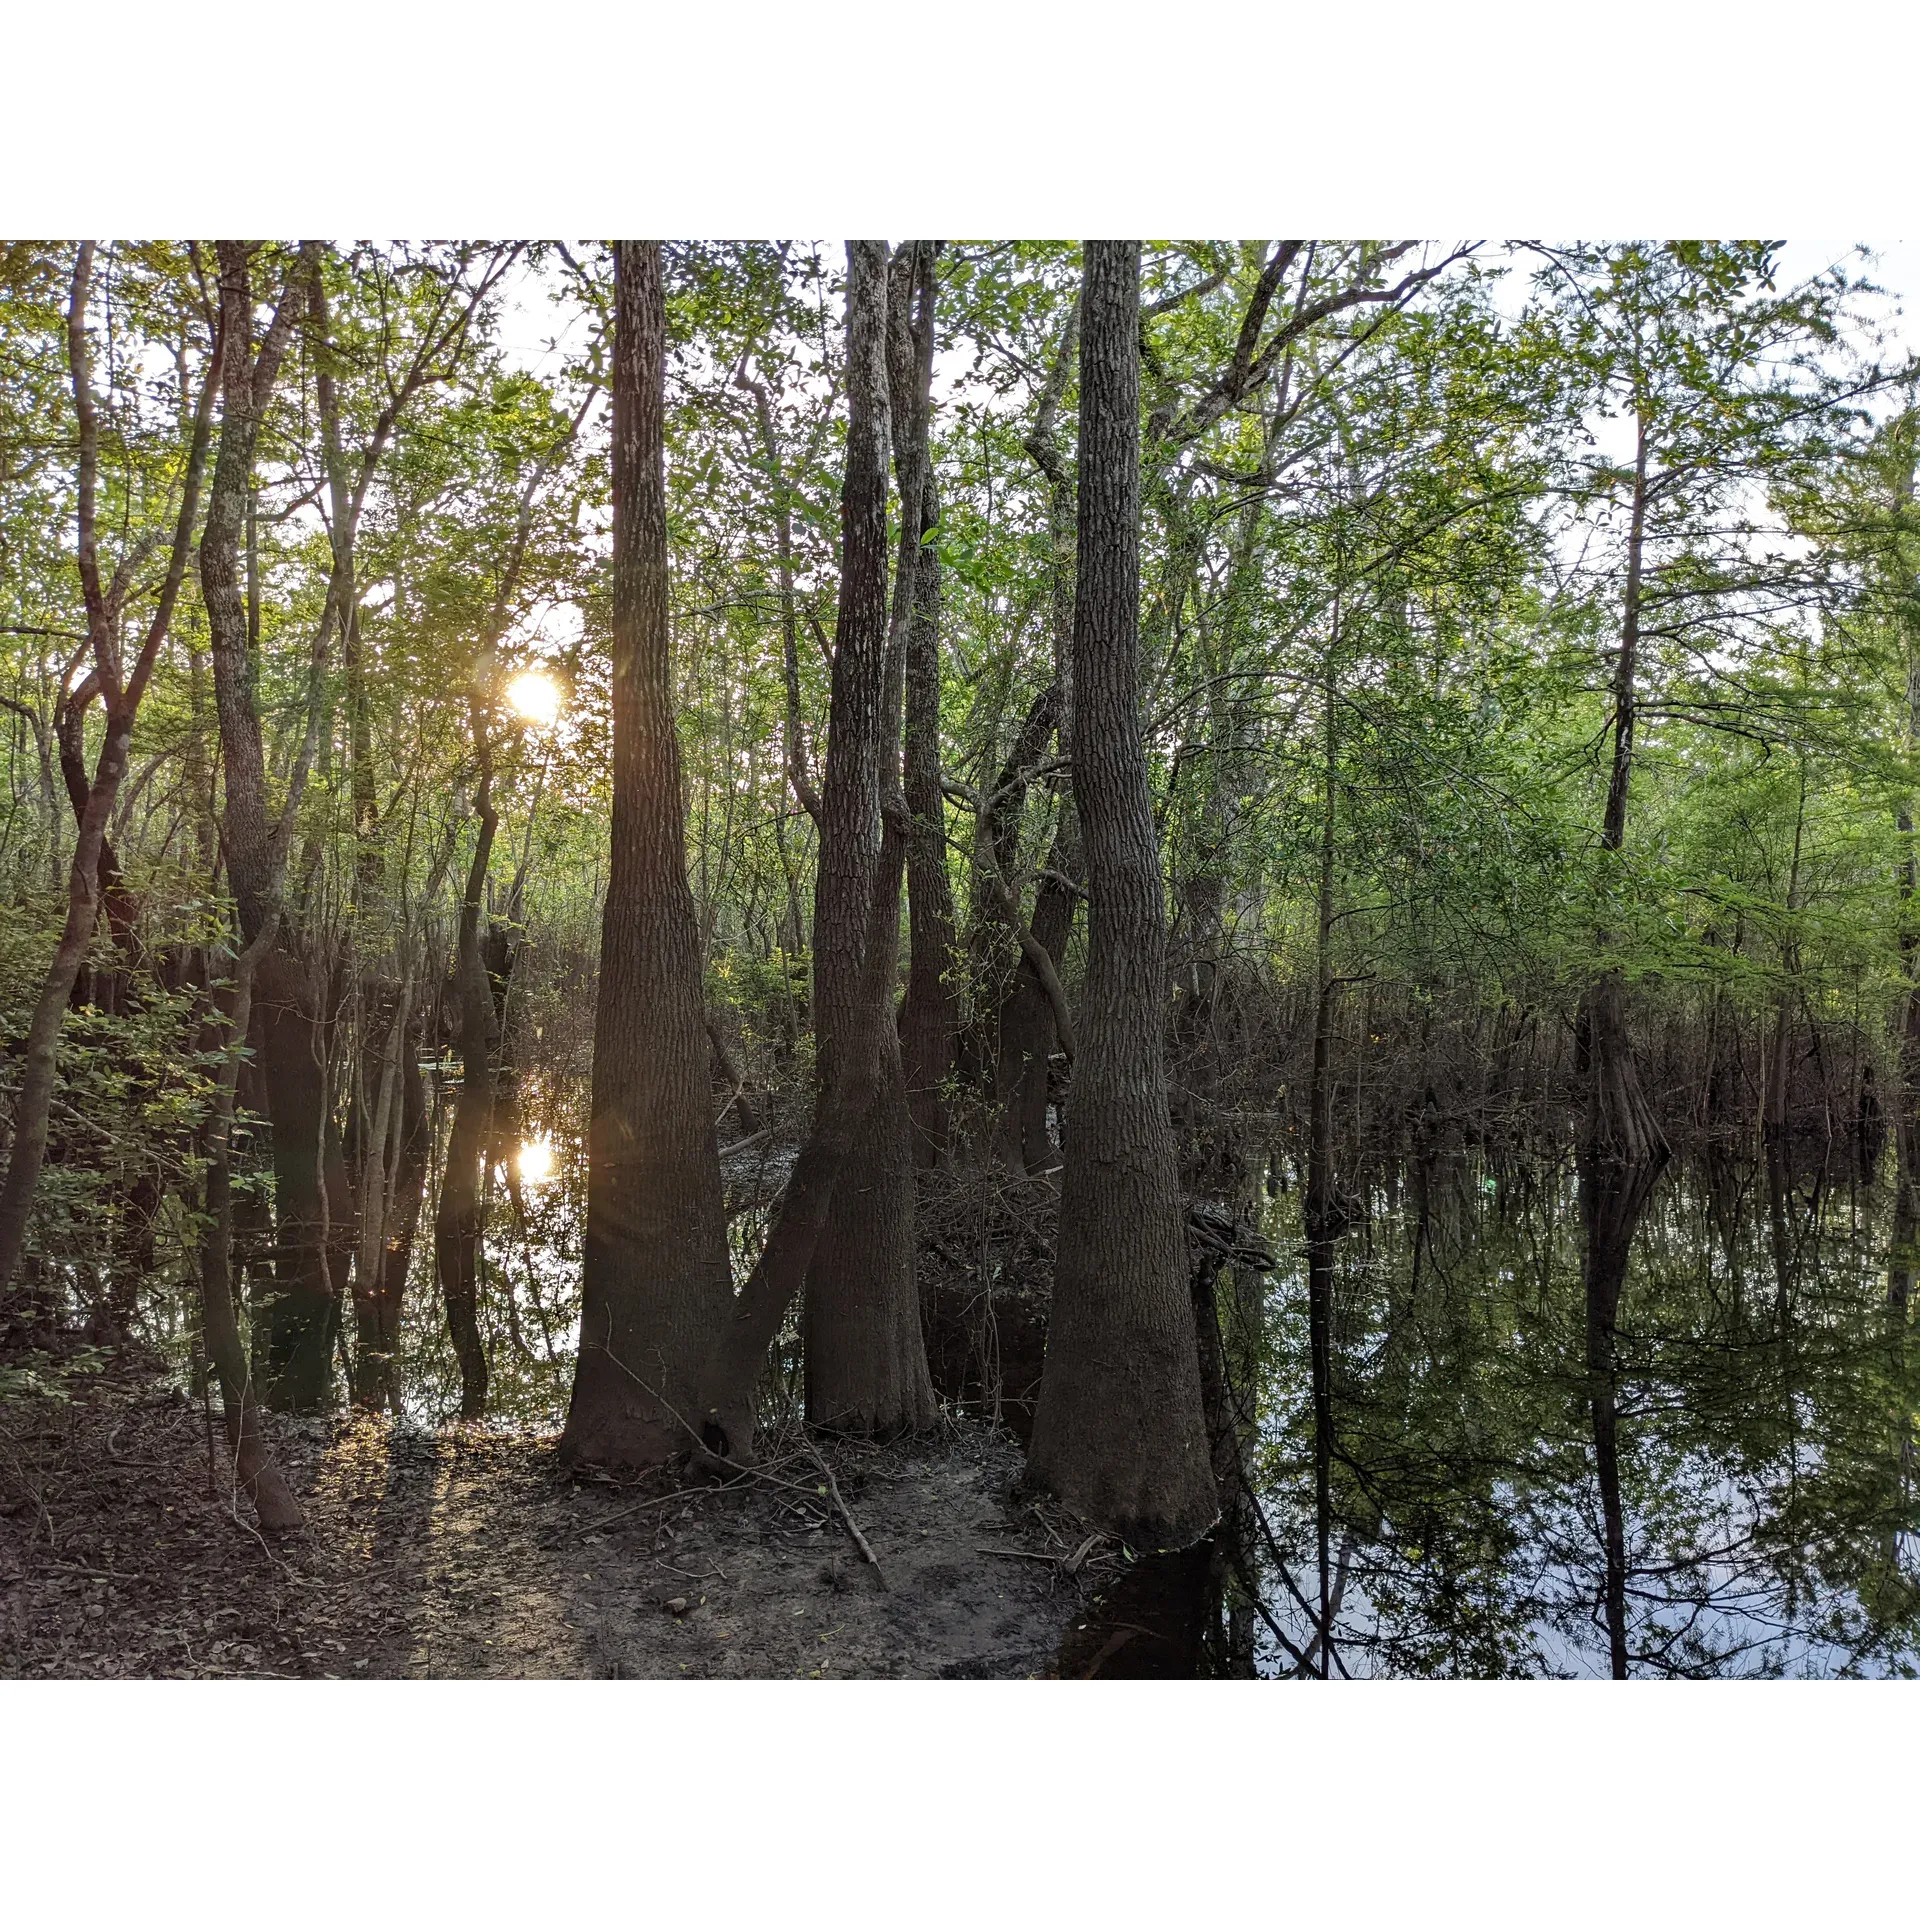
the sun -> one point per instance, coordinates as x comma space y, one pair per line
536, 1162
535, 696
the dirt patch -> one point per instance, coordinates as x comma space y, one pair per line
469, 1554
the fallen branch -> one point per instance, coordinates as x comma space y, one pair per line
853, 1527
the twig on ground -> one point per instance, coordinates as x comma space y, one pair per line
859, 1538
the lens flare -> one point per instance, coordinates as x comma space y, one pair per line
536, 1162
535, 697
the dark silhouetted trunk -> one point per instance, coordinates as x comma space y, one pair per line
388, 1227
1323, 1214
1620, 1121
865, 1357
1905, 1254
254, 1468
732, 1374
1614, 1194
655, 1277
458, 1222
1119, 1432
1906, 1122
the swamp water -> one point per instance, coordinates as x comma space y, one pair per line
1711, 1474
1717, 1478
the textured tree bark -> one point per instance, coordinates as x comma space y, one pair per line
732, 1372
866, 1363
1119, 1432
656, 1279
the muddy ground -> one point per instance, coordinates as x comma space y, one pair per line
464, 1553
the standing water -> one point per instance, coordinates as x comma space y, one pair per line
1711, 1474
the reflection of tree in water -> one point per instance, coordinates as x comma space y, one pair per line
1730, 1408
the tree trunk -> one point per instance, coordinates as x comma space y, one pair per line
733, 1369
1119, 1432
1906, 1121
1029, 1031
656, 1276
865, 1358
930, 1017
1324, 1221
1614, 1194
254, 1466
458, 1220
301, 1314
930, 1014
1620, 1121
387, 1240
1774, 1106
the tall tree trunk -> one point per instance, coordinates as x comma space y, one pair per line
1119, 1432
930, 1014
656, 1277
1620, 1121
301, 1315
1906, 1125
457, 1226
865, 1357
1028, 1026
1323, 1215
1614, 1194
1780, 1055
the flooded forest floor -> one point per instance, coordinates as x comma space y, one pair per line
469, 1553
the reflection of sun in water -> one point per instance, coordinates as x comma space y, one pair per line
535, 697
536, 1162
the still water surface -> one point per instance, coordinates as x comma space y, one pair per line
1757, 1395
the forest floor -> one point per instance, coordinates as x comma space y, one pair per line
468, 1553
